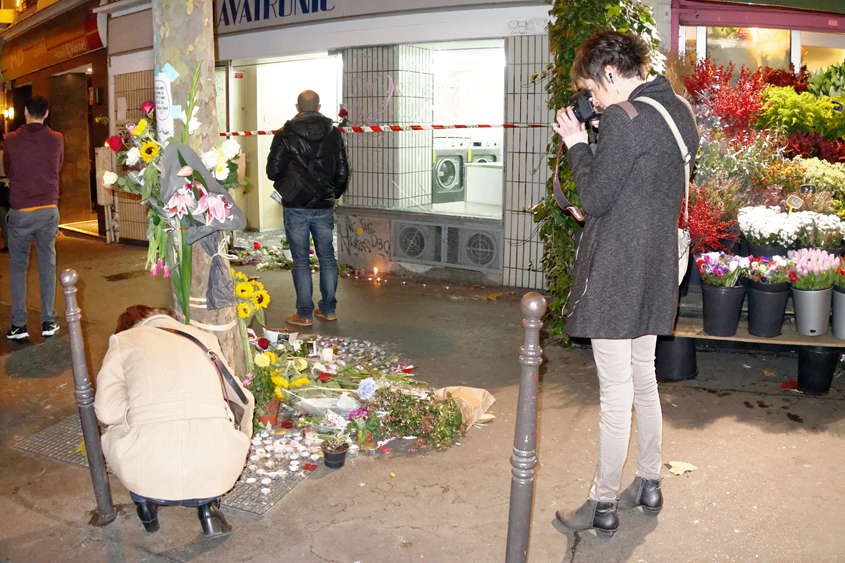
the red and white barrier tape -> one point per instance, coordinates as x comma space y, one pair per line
391, 128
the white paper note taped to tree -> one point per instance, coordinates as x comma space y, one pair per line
164, 101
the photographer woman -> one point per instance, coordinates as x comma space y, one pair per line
625, 288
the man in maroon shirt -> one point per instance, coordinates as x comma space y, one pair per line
32, 161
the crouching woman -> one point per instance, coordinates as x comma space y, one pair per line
170, 437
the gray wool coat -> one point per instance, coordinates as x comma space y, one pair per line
626, 270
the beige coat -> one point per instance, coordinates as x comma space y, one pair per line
169, 436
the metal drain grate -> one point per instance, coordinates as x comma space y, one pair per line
60, 440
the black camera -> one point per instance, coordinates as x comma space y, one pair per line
582, 106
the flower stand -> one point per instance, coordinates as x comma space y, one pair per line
816, 366
812, 310
722, 308
766, 308
839, 312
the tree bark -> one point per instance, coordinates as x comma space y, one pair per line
183, 36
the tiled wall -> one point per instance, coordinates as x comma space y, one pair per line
387, 86
526, 160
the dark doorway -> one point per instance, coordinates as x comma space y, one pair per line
69, 116
19, 97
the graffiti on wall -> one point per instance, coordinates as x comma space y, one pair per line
363, 241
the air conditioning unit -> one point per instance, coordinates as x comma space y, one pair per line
447, 245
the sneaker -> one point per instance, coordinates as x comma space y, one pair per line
17, 332
49, 329
325, 317
295, 319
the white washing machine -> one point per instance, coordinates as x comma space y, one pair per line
481, 152
447, 174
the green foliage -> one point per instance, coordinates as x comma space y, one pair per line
574, 22
435, 422
828, 82
791, 112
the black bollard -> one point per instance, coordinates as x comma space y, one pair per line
524, 458
85, 400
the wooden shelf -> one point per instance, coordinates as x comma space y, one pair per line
691, 327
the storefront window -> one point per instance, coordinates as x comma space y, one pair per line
749, 46
820, 50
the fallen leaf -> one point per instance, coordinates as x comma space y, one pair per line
791, 384
768, 372
80, 449
491, 296
680, 467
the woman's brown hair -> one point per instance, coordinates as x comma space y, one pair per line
137, 313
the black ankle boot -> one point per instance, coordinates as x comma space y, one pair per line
593, 514
212, 520
148, 513
645, 493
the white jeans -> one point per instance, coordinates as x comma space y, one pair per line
626, 378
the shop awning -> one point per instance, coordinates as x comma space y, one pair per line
775, 14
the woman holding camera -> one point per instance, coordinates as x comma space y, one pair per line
625, 288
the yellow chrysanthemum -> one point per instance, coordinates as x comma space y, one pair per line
244, 310
272, 357
277, 380
244, 290
140, 128
261, 299
299, 382
149, 150
279, 394
261, 360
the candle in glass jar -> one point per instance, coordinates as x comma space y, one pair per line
327, 354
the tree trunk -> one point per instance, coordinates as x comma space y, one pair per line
184, 38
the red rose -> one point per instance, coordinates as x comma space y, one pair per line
263, 343
115, 143
256, 245
342, 112
324, 376
147, 106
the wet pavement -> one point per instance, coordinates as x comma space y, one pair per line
768, 484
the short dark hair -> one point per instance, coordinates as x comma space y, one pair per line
309, 100
37, 107
628, 53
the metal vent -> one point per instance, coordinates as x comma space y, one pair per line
447, 245
418, 242
412, 242
481, 250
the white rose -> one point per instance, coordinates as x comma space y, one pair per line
133, 156
230, 148
209, 159
109, 178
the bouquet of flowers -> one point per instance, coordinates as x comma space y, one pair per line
251, 299
768, 226
720, 269
768, 270
818, 230
812, 268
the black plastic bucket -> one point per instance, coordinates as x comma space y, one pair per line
816, 366
674, 358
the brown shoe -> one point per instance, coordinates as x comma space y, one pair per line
322, 315
295, 319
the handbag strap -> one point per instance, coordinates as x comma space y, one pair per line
560, 199
685, 153
222, 372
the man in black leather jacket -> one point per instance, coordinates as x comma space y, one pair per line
309, 169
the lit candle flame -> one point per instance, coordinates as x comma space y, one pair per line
375, 271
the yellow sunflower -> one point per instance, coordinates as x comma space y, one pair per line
241, 276
149, 150
140, 128
261, 299
258, 285
244, 290
261, 360
244, 310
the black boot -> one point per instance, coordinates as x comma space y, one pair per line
213, 522
148, 513
645, 493
593, 514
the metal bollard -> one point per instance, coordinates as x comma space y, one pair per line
524, 458
85, 400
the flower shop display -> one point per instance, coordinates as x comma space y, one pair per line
722, 291
768, 293
812, 274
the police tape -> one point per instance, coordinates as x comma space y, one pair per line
396, 128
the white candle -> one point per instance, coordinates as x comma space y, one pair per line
326, 354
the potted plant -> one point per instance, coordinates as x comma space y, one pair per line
722, 291
812, 274
769, 232
260, 383
366, 424
768, 292
334, 448
710, 230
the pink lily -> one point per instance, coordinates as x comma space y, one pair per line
160, 263
217, 208
181, 203
154, 270
185, 171
166, 272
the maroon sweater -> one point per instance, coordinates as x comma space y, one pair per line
32, 161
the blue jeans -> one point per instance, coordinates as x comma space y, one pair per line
41, 226
194, 502
300, 226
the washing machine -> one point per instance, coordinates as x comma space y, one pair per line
447, 173
481, 152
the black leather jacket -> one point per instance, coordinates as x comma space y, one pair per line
307, 162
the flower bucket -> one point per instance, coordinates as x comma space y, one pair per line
839, 312
675, 359
769, 251
722, 308
816, 366
766, 308
273, 417
812, 310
